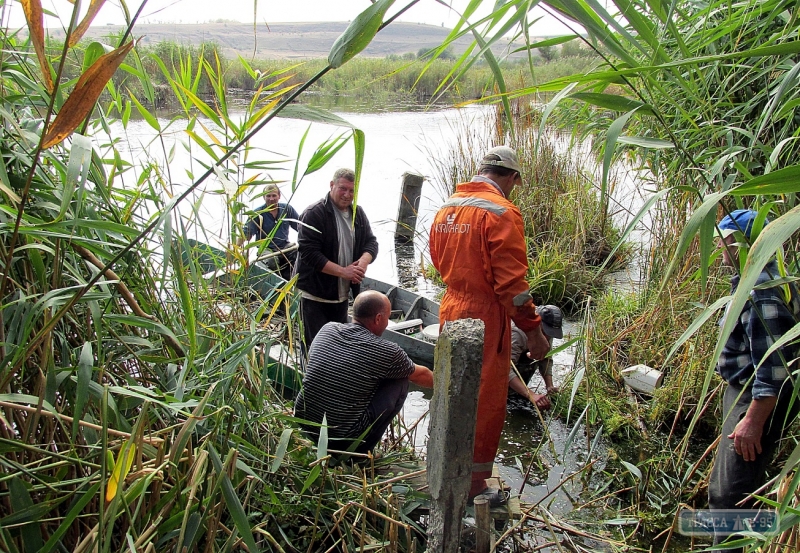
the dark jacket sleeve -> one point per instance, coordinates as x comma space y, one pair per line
310, 237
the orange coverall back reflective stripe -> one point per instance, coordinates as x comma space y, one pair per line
477, 244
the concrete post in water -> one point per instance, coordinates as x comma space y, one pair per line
409, 205
453, 409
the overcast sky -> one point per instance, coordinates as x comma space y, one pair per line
269, 11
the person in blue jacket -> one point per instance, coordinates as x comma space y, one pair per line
272, 222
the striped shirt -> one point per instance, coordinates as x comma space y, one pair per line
346, 364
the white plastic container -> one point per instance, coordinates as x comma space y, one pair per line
431, 332
642, 378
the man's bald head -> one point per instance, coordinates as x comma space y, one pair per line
368, 304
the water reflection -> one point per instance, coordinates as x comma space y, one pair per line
407, 267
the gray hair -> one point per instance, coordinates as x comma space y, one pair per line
346, 174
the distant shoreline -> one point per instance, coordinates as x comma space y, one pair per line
301, 41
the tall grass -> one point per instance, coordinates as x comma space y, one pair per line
568, 239
703, 96
137, 407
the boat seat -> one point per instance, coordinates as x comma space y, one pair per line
404, 325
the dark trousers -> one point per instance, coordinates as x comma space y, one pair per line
385, 405
733, 478
283, 264
316, 313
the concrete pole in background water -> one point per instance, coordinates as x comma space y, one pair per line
409, 206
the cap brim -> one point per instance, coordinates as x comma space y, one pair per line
722, 234
552, 331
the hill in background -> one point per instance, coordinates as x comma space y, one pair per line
290, 40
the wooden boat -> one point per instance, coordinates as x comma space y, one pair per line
411, 314
254, 282
284, 371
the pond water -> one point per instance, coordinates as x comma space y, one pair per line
524, 434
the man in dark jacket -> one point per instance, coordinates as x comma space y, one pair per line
335, 249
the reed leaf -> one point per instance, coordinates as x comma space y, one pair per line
83, 97
545, 43
94, 52
614, 130
574, 431
21, 501
312, 477
80, 157
188, 427
548, 109
787, 338
633, 469
85, 366
313, 114
643, 142
580, 374
146, 115
322, 443
358, 34
612, 102
235, 507
122, 467
280, 453
35, 18
83, 26
780, 181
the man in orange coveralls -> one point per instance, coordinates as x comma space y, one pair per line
477, 243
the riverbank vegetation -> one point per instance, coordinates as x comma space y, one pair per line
711, 119
138, 409
377, 83
137, 412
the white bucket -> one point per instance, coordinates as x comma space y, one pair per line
431, 332
642, 378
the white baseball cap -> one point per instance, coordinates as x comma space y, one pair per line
507, 158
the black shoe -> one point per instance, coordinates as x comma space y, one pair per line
497, 498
